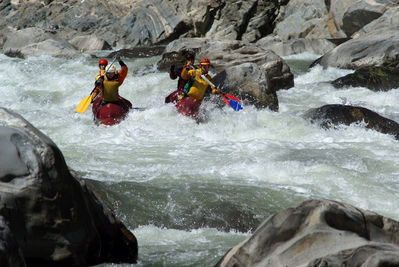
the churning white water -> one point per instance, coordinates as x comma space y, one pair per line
190, 191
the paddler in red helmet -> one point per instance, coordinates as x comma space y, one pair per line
199, 86
102, 63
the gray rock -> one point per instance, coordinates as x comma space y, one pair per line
337, 11
243, 20
319, 233
332, 115
89, 43
10, 253
259, 81
35, 41
374, 78
227, 53
249, 83
126, 24
55, 219
296, 46
373, 49
388, 21
303, 19
360, 14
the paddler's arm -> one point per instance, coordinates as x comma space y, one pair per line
187, 74
123, 72
214, 90
100, 74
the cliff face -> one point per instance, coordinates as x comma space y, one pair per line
131, 23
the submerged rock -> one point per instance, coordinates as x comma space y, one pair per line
319, 233
54, 219
330, 115
374, 78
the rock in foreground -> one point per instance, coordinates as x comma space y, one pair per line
320, 233
53, 219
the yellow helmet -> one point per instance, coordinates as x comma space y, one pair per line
110, 69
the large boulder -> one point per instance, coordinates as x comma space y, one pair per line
250, 83
10, 253
319, 233
331, 115
54, 219
389, 20
243, 69
349, 16
227, 53
35, 41
359, 14
373, 49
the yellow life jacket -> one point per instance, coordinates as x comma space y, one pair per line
100, 73
199, 86
111, 90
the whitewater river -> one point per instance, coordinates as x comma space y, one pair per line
188, 191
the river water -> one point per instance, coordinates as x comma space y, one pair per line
188, 191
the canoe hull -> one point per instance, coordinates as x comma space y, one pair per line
110, 113
189, 106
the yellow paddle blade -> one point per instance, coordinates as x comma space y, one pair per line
84, 104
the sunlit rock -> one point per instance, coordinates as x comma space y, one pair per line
319, 233
268, 74
89, 42
250, 83
35, 41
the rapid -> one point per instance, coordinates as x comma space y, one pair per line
189, 192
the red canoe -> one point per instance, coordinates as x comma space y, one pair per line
189, 106
110, 113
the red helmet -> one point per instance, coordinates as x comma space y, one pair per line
103, 62
204, 61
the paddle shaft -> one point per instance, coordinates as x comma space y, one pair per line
203, 77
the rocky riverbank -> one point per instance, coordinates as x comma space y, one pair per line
51, 218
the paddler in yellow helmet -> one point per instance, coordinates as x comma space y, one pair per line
199, 85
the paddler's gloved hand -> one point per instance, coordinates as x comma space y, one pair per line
100, 80
172, 68
121, 62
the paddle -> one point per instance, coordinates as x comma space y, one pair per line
230, 100
85, 103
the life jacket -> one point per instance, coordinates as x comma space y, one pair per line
187, 86
111, 90
199, 86
100, 73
